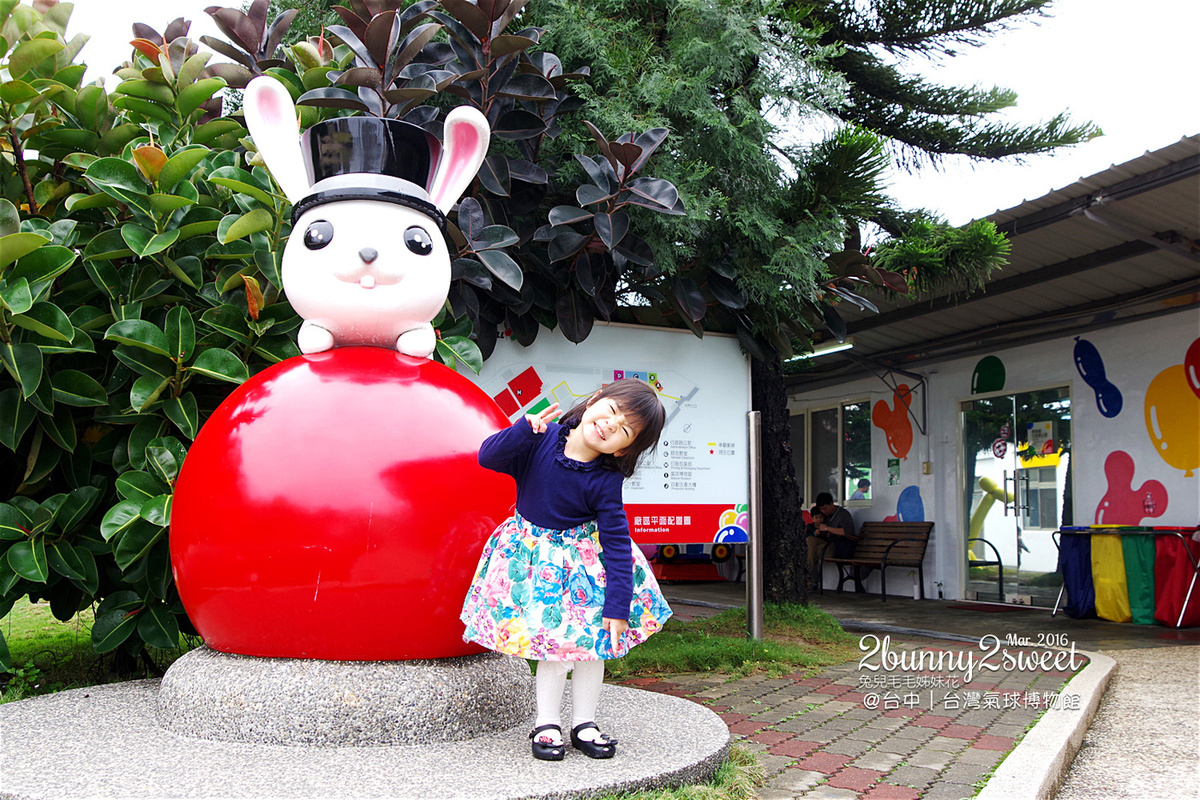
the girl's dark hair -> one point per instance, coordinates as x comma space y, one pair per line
637, 401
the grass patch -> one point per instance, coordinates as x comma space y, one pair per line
739, 778
50, 656
47, 655
795, 638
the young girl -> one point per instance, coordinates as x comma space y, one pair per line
560, 581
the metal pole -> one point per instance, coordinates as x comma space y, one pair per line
754, 556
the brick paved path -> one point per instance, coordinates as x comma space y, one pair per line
902, 733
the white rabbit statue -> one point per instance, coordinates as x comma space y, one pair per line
367, 261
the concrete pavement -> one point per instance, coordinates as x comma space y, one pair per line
922, 729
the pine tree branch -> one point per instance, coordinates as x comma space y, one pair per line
920, 26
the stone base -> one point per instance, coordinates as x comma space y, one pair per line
232, 698
104, 742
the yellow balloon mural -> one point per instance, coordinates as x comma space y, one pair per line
1173, 419
991, 493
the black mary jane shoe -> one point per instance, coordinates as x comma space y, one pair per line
547, 752
603, 747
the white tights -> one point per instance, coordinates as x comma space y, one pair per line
551, 681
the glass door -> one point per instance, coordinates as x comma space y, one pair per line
1016, 493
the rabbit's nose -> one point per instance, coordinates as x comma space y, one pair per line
368, 254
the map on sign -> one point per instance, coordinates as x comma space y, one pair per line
694, 487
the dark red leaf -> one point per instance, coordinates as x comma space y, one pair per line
575, 316
612, 227
277, 31
566, 244
634, 248
726, 291
493, 174
833, 321
659, 191
353, 21
238, 27
649, 142
602, 144
471, 16
518, 124
226, 49
141, 31
378, 38
568, 215
689, 297
626, 154
590, 272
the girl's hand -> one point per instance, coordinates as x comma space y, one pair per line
615, 627
538, 421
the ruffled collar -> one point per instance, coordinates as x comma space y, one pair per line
562, 458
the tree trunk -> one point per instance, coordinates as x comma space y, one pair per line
784, 550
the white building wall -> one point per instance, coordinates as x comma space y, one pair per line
1143, 360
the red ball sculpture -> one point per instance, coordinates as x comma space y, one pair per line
333, 508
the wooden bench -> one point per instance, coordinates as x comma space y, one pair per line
881, 545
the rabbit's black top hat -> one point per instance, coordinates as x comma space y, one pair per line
374, 146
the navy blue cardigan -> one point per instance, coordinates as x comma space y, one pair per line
554, 491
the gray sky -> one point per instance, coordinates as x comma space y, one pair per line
1129, 67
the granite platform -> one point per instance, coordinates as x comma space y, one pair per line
106, 742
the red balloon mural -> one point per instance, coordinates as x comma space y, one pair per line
1122, 504
1191, 367
894, 421
332, 507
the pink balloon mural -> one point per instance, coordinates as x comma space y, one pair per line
1122, 504
893, 421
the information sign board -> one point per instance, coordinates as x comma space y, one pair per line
694, 487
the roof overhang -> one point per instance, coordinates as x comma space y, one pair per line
1118, 246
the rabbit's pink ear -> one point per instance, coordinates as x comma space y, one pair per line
271, 118
466, 142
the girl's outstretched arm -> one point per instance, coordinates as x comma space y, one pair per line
506, 451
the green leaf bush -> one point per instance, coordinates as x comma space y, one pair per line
140, 245
138, 287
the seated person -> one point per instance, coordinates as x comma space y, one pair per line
837, 525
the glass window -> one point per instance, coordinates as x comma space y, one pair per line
856, 451
826, 453
1040, 502
831, 449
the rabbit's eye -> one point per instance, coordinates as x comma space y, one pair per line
318, 234
418, 240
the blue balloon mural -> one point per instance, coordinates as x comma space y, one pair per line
1091, 369
909, 506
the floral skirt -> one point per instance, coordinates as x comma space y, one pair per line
538, 593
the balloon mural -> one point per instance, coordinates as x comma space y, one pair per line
1091, 368
1172, 410
1191, 367
894, 422
332, 507
1122, 504
989, 375
909, 506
